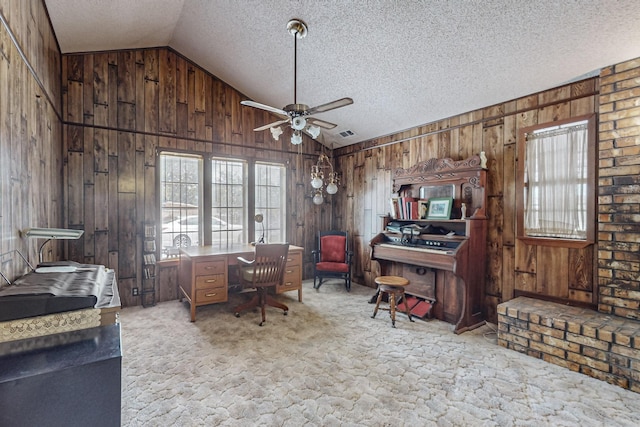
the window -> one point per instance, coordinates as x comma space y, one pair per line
270, 185
180, 195
556, 179
190, 185
228, 201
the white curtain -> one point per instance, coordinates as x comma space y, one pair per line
556, 178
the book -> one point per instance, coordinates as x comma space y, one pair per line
406, 214
414, 210
394, 208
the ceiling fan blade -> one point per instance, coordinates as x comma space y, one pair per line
264, 107
321, 123
270, 125
330, 105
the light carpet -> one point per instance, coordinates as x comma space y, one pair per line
328, 363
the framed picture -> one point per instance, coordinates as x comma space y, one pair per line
423, 208
439, 208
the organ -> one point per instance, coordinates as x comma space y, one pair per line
445, 259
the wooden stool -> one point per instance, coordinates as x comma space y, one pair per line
393, 286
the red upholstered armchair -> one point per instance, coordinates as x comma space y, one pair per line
332, 259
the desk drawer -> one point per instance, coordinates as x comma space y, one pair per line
210, 267
291, 278
294, 259
206, 296
210, 281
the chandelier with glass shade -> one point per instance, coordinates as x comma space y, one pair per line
319, 179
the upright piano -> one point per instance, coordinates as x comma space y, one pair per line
444, 258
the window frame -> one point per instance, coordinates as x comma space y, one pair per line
206, 196
208, 190
268, 230
161, 255
590, 219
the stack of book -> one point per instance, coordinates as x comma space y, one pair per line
408, 208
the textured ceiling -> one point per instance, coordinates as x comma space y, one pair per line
404, 63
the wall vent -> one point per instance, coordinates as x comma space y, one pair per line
346, 133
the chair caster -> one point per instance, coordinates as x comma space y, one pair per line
237, 314
261, 323
286, 312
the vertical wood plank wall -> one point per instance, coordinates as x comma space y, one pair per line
511, 265
30, 133
118, 109
120, 106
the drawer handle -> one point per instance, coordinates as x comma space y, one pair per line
211, 280
289, 259
212, 294
209, 268
288, 283
289, 271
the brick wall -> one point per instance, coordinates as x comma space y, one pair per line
603, 344
619, 190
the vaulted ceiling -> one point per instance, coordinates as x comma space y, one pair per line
404, 63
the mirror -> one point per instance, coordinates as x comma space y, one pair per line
430, 191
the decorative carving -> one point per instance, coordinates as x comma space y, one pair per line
439, 166
441, 171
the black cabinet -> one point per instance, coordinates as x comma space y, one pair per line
68, 379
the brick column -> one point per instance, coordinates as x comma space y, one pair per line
619, 190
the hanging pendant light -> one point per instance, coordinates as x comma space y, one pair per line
318, 179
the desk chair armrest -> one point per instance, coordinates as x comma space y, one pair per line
245, 262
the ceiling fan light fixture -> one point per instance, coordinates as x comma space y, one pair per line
276, 132
314, 131
296, 138
298, 123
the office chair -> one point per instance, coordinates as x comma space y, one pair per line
265, 272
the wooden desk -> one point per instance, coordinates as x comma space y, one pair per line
205, 271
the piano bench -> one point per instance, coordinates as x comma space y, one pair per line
393, 286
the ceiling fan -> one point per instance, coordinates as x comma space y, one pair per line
298, 115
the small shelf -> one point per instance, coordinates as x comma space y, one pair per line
149, 266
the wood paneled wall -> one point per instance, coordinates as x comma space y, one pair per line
119, 108
366, 169
30, 133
